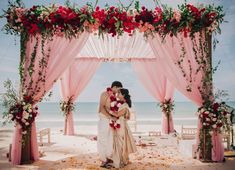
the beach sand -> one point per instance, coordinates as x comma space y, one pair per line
80, 152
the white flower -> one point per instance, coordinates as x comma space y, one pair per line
228, 115
207, 119
25, 108
204, 124
211, 114
214, 126
214, 119
26, 123
25, 115
24, 132
23, 103
112, 104
30, 110
207, 112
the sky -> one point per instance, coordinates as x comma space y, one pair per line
224, 78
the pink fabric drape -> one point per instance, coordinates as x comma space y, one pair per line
16, 146
218, 147
73, 81
62, 52
150, 74
168, 54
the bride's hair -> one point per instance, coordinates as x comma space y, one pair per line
127, 97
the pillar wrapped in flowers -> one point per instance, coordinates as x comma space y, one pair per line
214, 119
22, 112
167, 107
67, 107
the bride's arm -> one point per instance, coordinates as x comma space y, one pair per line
119, 113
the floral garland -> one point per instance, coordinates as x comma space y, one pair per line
114, 106
67, 106
214, 118
71, 20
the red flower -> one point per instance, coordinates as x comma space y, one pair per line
195, 11
158, 15
219, 125
215, 107
118, 126
108, 89
113, 98
145, 16
34, 29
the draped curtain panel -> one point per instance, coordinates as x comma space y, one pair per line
110, 47
62, 53
73, 82
156, 83
168, 54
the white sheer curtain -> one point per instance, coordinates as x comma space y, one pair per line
124, 46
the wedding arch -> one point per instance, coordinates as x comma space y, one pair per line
168, 48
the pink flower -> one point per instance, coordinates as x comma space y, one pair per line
177, 15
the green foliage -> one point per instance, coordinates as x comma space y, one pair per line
8, 99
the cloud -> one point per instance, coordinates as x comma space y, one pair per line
8, 69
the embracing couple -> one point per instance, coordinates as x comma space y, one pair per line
115, 141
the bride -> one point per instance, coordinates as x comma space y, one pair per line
123, 141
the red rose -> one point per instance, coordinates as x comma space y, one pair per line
215, 106
34, 29
219, 125
113, 98
118, 126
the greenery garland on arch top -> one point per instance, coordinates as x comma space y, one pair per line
71, 20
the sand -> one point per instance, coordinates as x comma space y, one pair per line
80, 152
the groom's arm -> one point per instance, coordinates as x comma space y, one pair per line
108, 110
119, 113
104, 104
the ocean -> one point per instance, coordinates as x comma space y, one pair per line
86, 113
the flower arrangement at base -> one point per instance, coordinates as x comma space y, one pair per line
67, 106
167, 107
23, 113
19, 110
214, 118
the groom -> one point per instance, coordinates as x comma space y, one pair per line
105, 136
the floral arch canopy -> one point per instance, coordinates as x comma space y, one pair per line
52, 36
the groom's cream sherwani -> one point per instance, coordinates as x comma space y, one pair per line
105, 134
